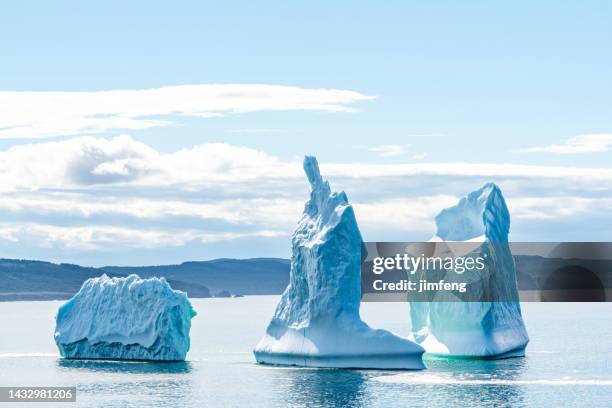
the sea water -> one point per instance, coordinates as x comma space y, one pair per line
568, 363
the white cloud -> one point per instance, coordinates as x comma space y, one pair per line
594, 143
88, 160
85, 160
390, 150
561, 207
101, 237
278, 212
50, 114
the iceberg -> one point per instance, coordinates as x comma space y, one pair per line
317, 321
125, 319
487, 330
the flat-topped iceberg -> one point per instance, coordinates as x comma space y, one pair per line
125, 319
317, 322
475, 329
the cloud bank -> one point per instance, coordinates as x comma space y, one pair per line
100, 195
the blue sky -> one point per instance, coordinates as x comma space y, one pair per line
466, 82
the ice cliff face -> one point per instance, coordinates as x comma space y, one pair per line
476, 329
317, 321
125, 319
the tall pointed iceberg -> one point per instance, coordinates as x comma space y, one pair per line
317, 322
475, 329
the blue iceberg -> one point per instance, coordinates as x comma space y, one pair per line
125, 319
317, 322
476, 329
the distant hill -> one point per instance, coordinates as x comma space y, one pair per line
257, 276
37, 280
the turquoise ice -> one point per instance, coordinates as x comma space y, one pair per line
476, 329
125, 319
317, 320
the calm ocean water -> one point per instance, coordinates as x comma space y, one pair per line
568, 363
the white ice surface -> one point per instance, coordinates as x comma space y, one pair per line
125, 318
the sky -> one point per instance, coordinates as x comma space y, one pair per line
150, 133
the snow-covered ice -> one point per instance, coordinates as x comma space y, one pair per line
125, 319
317, 320
476, 329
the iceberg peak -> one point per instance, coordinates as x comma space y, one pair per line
482, 212
311, 167
321, 193
317, 322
